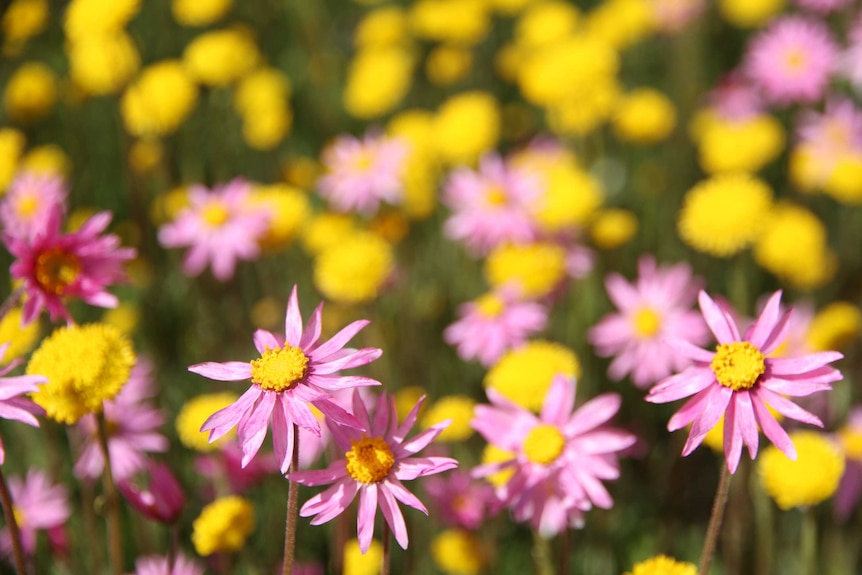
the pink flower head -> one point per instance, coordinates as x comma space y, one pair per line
740, 379
219, 226
850, 488
560, 457
374, 465
792, 60
56, 266
227, 461
14, 404
850, 60
822, 6
156, 565
163, 500
736, 98
363, 173
27, 206
292, 372
493, 324
651, 310
490, 206
461, 500
832, 134
38, 505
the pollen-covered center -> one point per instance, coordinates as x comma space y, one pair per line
27, 206
544, 444
369, 459
489, 305
795, 60
646, 322
738, 365
56, 270
495, 196
279, 369
215, 215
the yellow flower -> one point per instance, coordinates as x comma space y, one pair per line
622, 23
145, 155
836, 326
524, 374
264, 89
585, 111
744, 145
509, 7
448, 64
570, 195
644, 116
199, 12
327, 230
265, 131
377, 81
102, 64
86, 365
537, 268
546, 22
23, 20
465, 22
844, 182
466, 126
221, 57
457, 552
357, 563
223, 525
21, 339
749, 13
851, 442
353, 270
812, 478
125, 317
89, 18
31, 92
421, 167
49, 159
195, 412
663, 565
613, 228
382, 28
166, 206
159, 100
11, 145
406, 398
288, 210
458, 408
301, 171
723, 215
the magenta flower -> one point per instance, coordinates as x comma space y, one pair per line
27, 206
227, 461
736, 98
651, 310
291, 372
460, 500
740, 379
38, 505
374, 465
14, 404
56, 266
560, 457
220, 226
162, 500
156, 565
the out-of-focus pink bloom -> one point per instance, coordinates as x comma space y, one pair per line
490, 206
14, 404
460, 500
227, 462
363, 173
580, 260
736, 98
163, 500
493, 324
822, 6
832, 135
220, 226
673, 15
740, 380
560, 456
79, 265
292, 372
850, 489
38, 505
850, 60
133, 430
28, 203
156, 565
651, 310
374, 466
792, 60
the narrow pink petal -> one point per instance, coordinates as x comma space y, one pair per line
595, 490
771, 428
360, 412
759, 332
312, 328
338, 500
336, 413
225, 419
252, 428
593, 413
302, 416
797, 365
293, 321
339, 382
604, 441
335, 471
412, 467
406, 425
746, 422
365, 516
559, 401
9, 411
689, 382
326, 499
265, 340
392, 514
421, 440
380, 423
779, 334
336, 342
689, 411
716, 403
621, 292
687, 349
732, 437
20, 384
720, 324
404, 495
227, 371
802, 385
280, 426
360, 357
787, 408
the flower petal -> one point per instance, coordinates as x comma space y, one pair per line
410, 468
559, 401
688, 350
312, 329
225, 419
282, 435
720, 324
314, 477
771, 428
227, 371
337, 414
592, 414
761, 330
355, 359
293, 321
366, 514
265, 340
787, 408
689, 382
338, 341
252, 428
797, 365
392, 514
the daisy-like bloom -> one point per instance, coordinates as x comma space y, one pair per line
657, 306
374, 465
28, 203
156, 565
493, 324
38, 505
362, 173
830, 136
740, 380
460, 500
559, 457
850, 60
219, 226
291, 372
227, 461
14, 404
491, 206
792, 60
162, 500
56, 266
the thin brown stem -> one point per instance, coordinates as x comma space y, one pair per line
714, 528
292, 509
112, 502
384, 569
12, 522
564, 551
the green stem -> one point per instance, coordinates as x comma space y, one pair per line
542, 555
714, 528
112, 502
808, 542
12, 522
292, 509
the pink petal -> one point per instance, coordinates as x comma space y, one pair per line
227, 371
732, 438
779, 334
403, 495
360, 357
798, 365
762, 328
365, 516
593, 413
787, 408
412, 467
264, 340
559, 401
392, 515
252, 428
336, 413
333, 498
689, 411
302, 416
717, 398
771, 428
9, 411
688, 350
293, 321
720, 324
336, 342
604, 441
282, 431
693, 380
421, 440
312, 328
312, 478
339, 382
224, 419
406, 425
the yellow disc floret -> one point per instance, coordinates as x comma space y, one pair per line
56, 270
737, 365
663, 565
369, 459
544, 444
223, 525
524, 375
279, 369
646, 322
812, 478
195, 412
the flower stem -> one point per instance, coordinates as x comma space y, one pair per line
292, 509
714, 528
384, 569
564, 551
112, 502
542, 555
14, 532
808, 542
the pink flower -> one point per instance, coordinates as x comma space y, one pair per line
363, 173
219, 226
735, 98
38, 505
739, 380
850, 60
155, 565
656, 307
292, 372
14, 404
850, 488
490, 206
162, 501
493, 324
56, 266
227, 462
822, 6
792, 60
560, 457
374, 466
25, 210
460, 500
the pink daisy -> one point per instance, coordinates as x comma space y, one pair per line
490, 206
735, 98
850, 60
831, 135
219, 226
363, 173
292, 372
560, 457
56, 266
162, 500
27, 206
460, 500
38, 505
651, 310
792, 60
374, 465
493, 324
156, 565
850, 488
740, 379
14, 403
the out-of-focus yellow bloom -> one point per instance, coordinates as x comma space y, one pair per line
23, 20
301, 171
459, 21
266, 313
749, 13
570, 195
392, 226
509, 7
546, 22
586, 110
49, 159
266, 131
325, 230
835, 327
457, 552
406, 398
813, 477
524, 375
421, 166
845, 180
168, 205
221, 57
622, 23
536, 268
223, 525
663, 565
86, 19
448, 64
382, 28
644, 116
288, 210
194, 413
458, 408
804, 170
102, 64
354, 270
263, 89
466, 126
613, 228
159, 100
743, 145
358, 563
199, 12
21, 339
377, 81
11, 145
145, 155
125, 317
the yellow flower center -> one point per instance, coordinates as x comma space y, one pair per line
27, 206
56, 270
795, 60
738, 365
489, 305
544, 444
495, 196
215, 215
363, 161
646, 322
369, 459
851, 441
279, 369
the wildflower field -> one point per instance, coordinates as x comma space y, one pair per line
431, 287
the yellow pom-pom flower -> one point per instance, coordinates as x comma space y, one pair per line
159, 100
30, 93
457, 552
199, 12
544, 23
382, 28
103, 64
91, 18
749, 13
536, 268
570, 196
358, 563
458, 408
663, 565
464, 22
12, 143
812, 478
21, 339
739, 145
263, 90
221, 57
524, 374
223, 526
644, 116
377, 81
613, 228
22, 20
326, 230
466, 126
49, 160
195, 412
836, 326
288, 210
622, 23
844, 182
353, 271
448, 64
